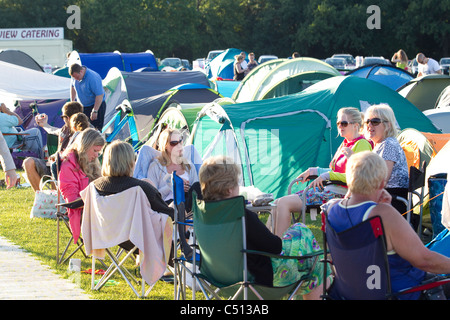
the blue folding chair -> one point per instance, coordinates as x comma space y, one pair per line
360, 260
184, 264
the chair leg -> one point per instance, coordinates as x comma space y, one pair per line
80, 244
116, 265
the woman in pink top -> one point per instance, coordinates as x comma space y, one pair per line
80, 166
349, 123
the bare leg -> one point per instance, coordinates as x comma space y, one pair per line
32, 175
282, 214
314, 294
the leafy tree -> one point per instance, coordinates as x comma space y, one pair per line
190, 28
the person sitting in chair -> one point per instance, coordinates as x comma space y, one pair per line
349, 124
36, 168
219, 178
80, 166
409, 259
117, 171
117, 176
31, 140
170, 144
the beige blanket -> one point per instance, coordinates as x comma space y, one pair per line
110, 220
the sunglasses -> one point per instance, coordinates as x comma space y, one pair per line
174, 143
344, 124
375, 121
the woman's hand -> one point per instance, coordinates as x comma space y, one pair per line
384, 197
317, 183
186, 185
304, 176
347, 152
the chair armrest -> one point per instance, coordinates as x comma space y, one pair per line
426, 286
76, 204
16, 134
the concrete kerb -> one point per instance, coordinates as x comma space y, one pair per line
22, 277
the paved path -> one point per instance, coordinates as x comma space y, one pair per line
22, 277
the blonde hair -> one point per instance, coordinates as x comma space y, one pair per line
366, 171
118, 160
83, 142
385, 113
79, 122
163, 142
217, 176
353, 115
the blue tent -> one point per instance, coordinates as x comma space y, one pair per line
390, 76
135, 61
222, 65
102, 62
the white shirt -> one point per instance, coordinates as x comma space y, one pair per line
432, 67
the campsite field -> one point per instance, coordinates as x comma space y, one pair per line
38, 236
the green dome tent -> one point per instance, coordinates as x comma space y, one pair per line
282, 77
180, 117
276, 139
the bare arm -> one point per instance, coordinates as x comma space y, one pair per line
73, 94
4, 109
97, 103
406, 243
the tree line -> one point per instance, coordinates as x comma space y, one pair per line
190, 28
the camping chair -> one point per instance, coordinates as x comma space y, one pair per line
359, 257
219, 228
109, 221
313, 209
20, 140
416, 188
184, 263
62, 217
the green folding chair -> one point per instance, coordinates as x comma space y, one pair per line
219, 228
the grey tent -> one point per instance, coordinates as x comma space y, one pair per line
19, 58
131, 86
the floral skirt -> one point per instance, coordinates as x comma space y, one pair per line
316, 197
298, 240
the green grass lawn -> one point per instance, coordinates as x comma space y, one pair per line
38, 236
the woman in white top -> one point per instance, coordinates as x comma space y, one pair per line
170, 144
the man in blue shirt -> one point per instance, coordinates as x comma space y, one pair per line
86, 87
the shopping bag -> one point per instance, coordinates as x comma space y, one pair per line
45, 201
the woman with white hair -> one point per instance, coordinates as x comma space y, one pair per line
219, 180
409, 260
381, 129
349, 125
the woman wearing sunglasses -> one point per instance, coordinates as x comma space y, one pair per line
170, 143
381, 128
349, 124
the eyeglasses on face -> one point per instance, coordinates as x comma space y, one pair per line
174, 143
344, 124
374, 121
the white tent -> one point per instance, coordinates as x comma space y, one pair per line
439, 164
19, 83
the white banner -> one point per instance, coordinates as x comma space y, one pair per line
32, 34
